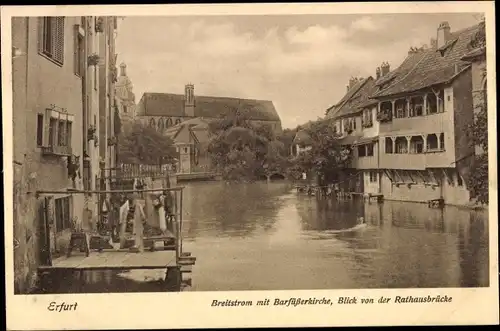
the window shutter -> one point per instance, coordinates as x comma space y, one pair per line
59, 39
46, 126
76, 62
40, 25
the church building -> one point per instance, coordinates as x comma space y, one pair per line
164, 110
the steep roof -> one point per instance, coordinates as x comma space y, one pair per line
168, 104
356, 98
428, 67
302, 138
194, 123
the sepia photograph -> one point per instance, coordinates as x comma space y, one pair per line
156, 153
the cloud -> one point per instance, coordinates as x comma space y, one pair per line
366, 23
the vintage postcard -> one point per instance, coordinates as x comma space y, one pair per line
250, 165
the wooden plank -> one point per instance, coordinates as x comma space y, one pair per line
115, 260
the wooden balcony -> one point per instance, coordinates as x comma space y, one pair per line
403, 161
57, 150
365, 162
432, 123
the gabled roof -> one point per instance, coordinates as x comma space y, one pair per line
194, 123
357, 97
168, 104
428, 67
302, 138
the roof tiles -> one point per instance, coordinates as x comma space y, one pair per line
168, 104
431, 66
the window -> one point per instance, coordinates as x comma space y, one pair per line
418, 110
177, 121
401, 145
400, 112
79, 53
441, 141
373, 176
124, 109
460, 182
369, 150
416, 145
63, 213
367, 120
361, 151
432, 143
169, 122
51, 38
388, 145
54, 131
152, 123
39, 130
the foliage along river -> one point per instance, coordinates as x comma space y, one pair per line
264, 236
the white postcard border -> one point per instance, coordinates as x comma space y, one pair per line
193, 309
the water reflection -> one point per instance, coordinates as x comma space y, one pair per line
308, 243
264, 236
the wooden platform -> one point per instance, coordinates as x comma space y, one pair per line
114, 260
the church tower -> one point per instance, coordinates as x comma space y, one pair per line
125, 97
189, 100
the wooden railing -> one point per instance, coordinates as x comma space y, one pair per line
143, 170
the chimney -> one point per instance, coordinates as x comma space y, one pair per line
189, 100
377, 72
123, 69
353, 81
385, 68
443, 34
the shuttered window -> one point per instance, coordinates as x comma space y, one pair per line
51, 38
78, 53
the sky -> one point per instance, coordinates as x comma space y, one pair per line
300, 62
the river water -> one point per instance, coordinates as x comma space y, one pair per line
265, 236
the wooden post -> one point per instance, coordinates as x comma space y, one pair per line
176, 234
123, 223
139, 217
180, 222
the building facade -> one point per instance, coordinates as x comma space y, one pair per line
409, 128
55, 97
191, 139
164, 110
425, 110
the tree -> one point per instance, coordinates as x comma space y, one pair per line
242, 150
286, 138
142, 144
327, 157
479, 177
478, 181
